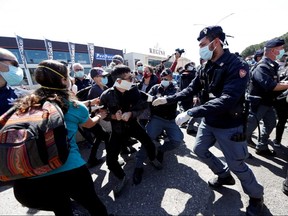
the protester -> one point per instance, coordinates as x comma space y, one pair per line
81, 80
54, 190
10, 75
223, 79
124, 104
162, 118
99, 76
149, 79
265, 86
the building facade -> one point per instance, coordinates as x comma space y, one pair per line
31, 52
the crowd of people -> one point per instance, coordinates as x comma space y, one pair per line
225, 95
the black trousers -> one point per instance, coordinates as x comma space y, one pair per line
281, 108
120, 132
53, 193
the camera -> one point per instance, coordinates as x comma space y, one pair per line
180, 51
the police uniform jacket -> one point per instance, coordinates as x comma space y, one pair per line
166, 111
264, 79
222, 87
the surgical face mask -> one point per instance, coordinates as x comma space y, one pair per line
165, 83
124, 85
205, 52
104, 80
140, 68
281, 53
190, 68
79, 74
14, 76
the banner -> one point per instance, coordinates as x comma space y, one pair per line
20, 44
49, 49
71, 47
90, 47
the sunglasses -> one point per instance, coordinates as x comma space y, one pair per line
139, 65
13, 62
78, 70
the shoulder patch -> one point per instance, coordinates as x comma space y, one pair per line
242, 73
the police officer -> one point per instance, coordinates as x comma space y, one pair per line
265, 85
222, 84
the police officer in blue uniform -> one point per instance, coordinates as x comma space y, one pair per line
222, 85
265, 86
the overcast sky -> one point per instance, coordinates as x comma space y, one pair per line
142, 24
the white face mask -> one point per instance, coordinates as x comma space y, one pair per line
124, 84
205, 52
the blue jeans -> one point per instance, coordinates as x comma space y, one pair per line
235, 154
268, 116
154, 128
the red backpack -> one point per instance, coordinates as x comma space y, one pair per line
32, 143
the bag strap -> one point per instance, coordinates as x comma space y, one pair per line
62, 117
5, 116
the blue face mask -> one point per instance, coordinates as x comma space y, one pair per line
140, 68
79, 74
205, 52
281, 53
14, 76
104, 80
165, 83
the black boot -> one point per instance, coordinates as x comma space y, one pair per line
137, 175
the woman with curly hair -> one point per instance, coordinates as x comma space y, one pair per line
54, 190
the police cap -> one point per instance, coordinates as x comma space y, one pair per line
213, 32
275, 42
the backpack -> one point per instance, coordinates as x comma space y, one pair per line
32, 143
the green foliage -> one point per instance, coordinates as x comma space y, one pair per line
251, 49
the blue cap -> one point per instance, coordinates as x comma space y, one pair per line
275, 42
213, 32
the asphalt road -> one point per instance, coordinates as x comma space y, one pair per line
180, 188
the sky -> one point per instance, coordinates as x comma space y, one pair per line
136, 26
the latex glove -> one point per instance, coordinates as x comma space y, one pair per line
181, 118
159, 101
126, 116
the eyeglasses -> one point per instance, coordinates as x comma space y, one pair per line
14, 63
130, 79
79, 69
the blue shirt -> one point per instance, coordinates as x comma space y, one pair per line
74, 117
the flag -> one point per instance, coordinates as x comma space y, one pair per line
90, 47
20, 44
71, 47
49, 49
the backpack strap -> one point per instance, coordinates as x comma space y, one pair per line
5, 116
